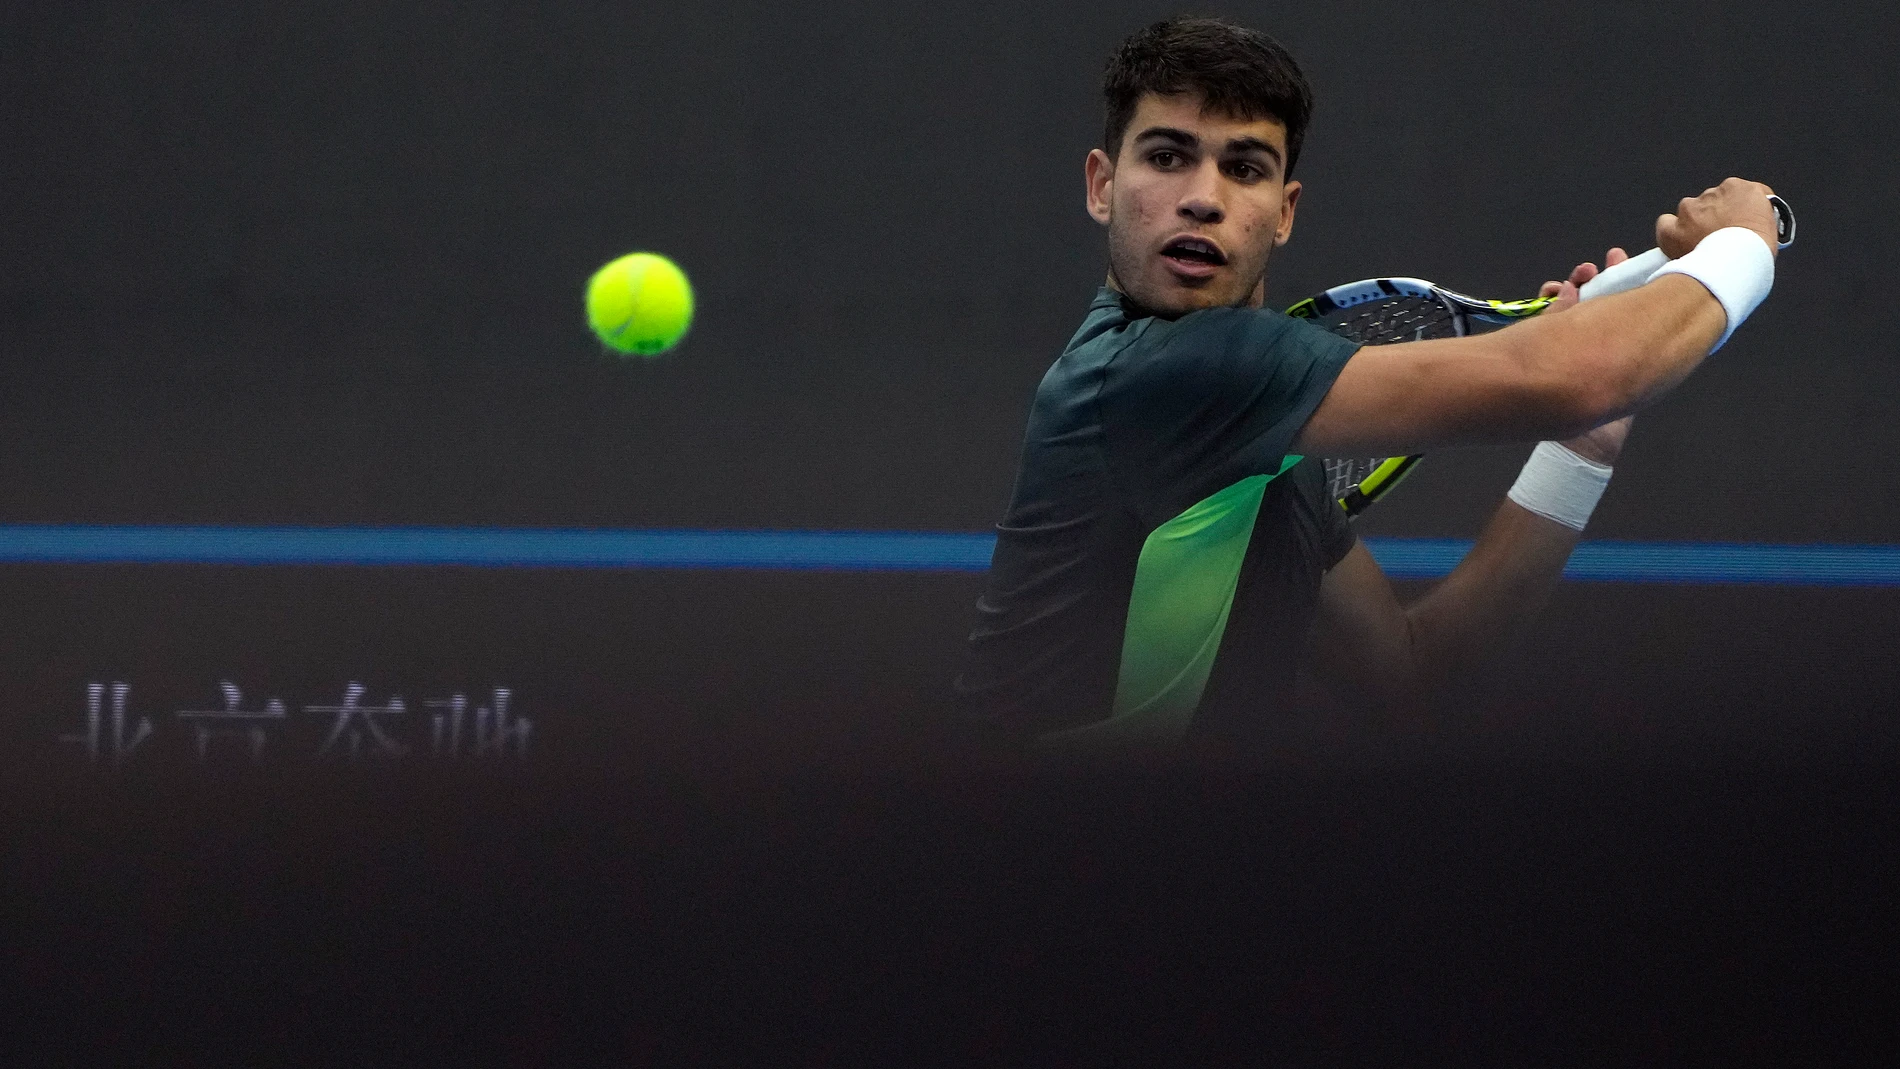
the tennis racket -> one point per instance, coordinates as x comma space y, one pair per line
1380, 311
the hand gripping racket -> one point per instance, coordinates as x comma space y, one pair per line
1380, 311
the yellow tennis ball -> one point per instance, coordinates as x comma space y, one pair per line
640, 303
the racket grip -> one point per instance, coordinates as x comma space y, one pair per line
1627, 275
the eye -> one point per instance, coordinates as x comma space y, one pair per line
1246, 172
1164, 158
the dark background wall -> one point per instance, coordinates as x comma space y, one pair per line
321, 264
297, 264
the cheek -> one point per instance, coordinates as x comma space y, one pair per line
1141, 203
1262, 229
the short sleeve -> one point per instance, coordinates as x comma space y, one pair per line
1201, 402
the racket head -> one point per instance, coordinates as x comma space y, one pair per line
1380, 311
1384, 311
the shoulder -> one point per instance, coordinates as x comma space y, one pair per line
1239, 339
1215, 327
1106, 330
1240, 351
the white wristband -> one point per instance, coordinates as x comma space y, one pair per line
1736, 266
1559, 485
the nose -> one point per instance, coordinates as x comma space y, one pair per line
1200, 201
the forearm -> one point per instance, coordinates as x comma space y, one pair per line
1497, 588
1628, 350
1550, 377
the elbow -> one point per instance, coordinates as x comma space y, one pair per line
1589, 405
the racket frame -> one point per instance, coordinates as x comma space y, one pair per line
1461, 308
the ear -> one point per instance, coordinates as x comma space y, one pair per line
1290, 200
1100, 172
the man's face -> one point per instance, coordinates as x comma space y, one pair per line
1194, 204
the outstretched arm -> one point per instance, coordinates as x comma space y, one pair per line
1551, 377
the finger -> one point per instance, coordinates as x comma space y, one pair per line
1582, 273
1666, 227
1549, 289
1615, 256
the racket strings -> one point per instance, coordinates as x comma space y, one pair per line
1397, 318
1342, 475
1394, 319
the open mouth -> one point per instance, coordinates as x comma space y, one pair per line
1194, 254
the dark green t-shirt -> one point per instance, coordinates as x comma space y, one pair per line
1160, 560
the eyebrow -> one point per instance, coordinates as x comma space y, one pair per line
1253, 144
1187, 140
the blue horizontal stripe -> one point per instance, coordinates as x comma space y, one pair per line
1403, 558
503, 547
1798, 564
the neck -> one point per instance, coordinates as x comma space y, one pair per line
1256, 297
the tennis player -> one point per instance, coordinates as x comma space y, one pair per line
1168, 559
